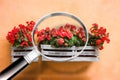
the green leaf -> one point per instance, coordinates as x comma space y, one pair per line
66, 40
17, 45
26, 39
53, 42
77, 43
19, 40
71, 43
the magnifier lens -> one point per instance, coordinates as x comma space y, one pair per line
61, 31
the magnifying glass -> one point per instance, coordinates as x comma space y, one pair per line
16, 67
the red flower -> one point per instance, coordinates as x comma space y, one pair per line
61, 28
80, 29
101, 31
24, 44
95, 25
101, 47
23, 28
47, 29
69, 34
41, 32
30, 28
15, 30
67, 26
16, 36
30, 25
105, 39
54, 32
81, 34
32, 22
84, 39
48, 37
60, 33
41, 38
98, 42
60, 41
29, 37
10, 37
73, 28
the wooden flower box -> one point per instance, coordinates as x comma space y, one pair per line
91, 53
18, 52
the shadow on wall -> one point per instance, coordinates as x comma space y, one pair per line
67, 67
55, 71
65, 70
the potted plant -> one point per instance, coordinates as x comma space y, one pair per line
62, 41
20, 39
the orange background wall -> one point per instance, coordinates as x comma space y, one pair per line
104, 12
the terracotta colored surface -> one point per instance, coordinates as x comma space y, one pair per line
104, 12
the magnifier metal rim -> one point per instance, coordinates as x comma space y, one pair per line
59, 14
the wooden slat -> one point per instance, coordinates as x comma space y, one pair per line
66, 48
89, 54
18, 52
78, 59
68, 53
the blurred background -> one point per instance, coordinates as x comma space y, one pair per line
104, 12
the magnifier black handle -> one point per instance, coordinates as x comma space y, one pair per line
13, 69
18, 66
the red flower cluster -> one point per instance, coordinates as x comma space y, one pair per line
21, 36
70, 35
100, 34
63, 36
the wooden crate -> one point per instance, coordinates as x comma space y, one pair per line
91, 53
18, 52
